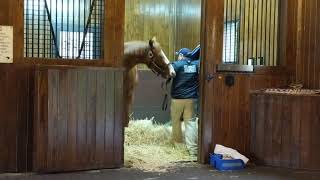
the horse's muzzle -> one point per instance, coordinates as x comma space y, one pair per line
172, 73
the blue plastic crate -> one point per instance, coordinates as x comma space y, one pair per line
220, 164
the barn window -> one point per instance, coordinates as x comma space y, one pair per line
251, 32
230, 39
70, 42
64, 29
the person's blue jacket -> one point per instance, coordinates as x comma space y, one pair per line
186, 83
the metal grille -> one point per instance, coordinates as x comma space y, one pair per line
251, 32
230, 39
66, 29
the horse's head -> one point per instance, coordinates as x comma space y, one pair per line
158, 61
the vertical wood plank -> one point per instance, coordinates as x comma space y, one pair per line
260, 127
41, 139
286, 140
101, 83
312, 44
82, 147
118, 136
73, 95
305, 133
114, 31
295, 136
315, 133
268, 134
63, 117
17, 21
276, 130
110, 118
302, 30
211, 53
91, 100
53, 119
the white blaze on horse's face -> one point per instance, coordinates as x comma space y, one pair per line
172, 73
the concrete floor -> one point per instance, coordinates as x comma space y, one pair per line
182, 172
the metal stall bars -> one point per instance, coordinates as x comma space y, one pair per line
63, 29
251, 32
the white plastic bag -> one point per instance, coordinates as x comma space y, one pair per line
225, 151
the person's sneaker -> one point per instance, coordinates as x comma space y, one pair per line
193, 158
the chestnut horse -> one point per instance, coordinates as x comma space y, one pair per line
150, 54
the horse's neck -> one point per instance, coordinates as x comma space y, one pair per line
134, 53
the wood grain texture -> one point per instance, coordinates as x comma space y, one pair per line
10, 17
290, 131
175, 23
5, 12
113, 35
301, 34
16, 117
79, 119
188, 23
231, 124
145, 19
211, 53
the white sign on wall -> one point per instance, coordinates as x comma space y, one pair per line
6, 44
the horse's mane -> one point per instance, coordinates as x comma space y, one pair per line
135, 48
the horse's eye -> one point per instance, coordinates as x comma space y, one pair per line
150, 54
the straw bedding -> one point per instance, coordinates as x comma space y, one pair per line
148, 147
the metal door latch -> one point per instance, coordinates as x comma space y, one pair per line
209, 77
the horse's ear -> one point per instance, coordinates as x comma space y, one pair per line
151, 43
154, 39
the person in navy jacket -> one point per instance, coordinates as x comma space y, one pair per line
184, 100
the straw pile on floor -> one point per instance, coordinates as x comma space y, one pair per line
148, 147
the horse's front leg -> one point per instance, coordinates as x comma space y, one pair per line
130, 83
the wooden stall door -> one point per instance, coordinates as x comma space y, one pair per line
211, 52
225, 111
78, 119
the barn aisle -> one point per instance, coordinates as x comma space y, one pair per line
181, 172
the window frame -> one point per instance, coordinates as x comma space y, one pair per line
114, 14
236, 42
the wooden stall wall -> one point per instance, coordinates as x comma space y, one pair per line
285, 130
175, 23
5, 18
15, 117
16, 91
188, 23
78, 119
231, 126
302, 34
145, 19
10, 16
